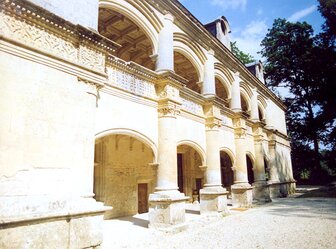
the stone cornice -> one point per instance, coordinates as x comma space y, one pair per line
29, 12
193, 27
133, 68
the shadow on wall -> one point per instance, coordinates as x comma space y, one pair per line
283, 166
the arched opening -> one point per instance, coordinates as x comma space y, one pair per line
190, 175
135, 44
123, 177
221, 91
261, 114
244, 105
226, 170
250, 174
266, 168
184, 68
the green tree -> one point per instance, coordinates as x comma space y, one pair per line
243, 57
305, 65
328, 11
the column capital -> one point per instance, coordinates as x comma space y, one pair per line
168, 108
212, 123
213, 118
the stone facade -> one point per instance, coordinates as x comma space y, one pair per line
113, 108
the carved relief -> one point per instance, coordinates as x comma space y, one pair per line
240, 132
131, 83
192, 107
168, 91
168, 109
91, 59
37, 37
212, 123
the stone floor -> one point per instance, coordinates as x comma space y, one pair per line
284, 223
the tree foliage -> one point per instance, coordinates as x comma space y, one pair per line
243, 57
306, 65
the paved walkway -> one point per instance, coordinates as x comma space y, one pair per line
284, 223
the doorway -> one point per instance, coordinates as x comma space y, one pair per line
142, 198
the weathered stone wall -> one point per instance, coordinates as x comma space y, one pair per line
123, 163
47, 126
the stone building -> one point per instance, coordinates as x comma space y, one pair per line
117, 107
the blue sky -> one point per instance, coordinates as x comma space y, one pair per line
250, 19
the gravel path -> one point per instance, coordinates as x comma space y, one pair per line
284, 223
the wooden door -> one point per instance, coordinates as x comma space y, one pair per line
142, 198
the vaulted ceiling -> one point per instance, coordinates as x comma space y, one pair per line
136, 46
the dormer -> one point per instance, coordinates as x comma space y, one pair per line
257, 69
220, 29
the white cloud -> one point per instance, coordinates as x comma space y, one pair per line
302, 13
248, 39
230, 4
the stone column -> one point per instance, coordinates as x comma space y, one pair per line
165, 55
274, 180
213, 195
167, 203
241, 189
268, 116
235, 94
261, 190
254, 106
208, 86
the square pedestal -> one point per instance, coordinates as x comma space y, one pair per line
213, 201
167, 211
261, 192
242, 195
274, 188
52, 224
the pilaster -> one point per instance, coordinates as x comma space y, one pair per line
213, 195
261, 188
241, 190
167, 203
274, 180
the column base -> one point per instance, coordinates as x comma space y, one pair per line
274, 188
261, 191
43, 222
242, 195
213, 201
167, 211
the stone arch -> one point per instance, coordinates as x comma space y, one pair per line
140, 14
195, 48
227, 164
196, 147
261, 112
190, 54
124, 174
226, 74
247, 89
190, 156
250, 161
230, 153
132, 133
245, 101
262, 105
